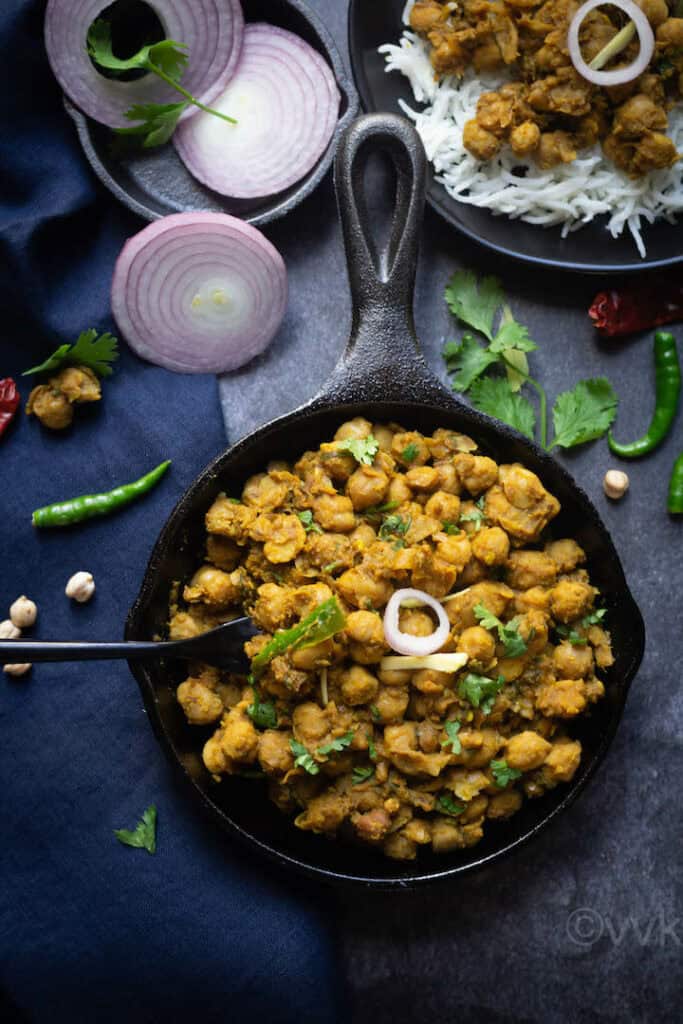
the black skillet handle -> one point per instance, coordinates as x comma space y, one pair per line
383, 353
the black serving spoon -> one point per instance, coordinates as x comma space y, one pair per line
383, 377
223, 646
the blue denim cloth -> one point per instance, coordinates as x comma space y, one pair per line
91, 930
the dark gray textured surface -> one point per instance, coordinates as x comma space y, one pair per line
503, 946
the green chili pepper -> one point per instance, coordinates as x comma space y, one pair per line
87, 506
667, 390
675, 502
323, 622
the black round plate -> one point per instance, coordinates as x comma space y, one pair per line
589, 250
154, 183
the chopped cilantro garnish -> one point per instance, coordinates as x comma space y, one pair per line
363, 449
595, 618
372, 749
410, 452
451, 528
452, 730
502, 774
362, 774
309, 522
303, 759
477, 689
508, 633
447, 805
335, 745
95, 351
396, 527
375, 712
262, 713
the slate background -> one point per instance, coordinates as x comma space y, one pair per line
502, 946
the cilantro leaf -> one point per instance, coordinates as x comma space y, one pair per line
508, 633
394, 526
144, 835
90, 349
302, 758
494, 396
595, 618
513, 336
378, 510
410, 452
585, 413
516, 368
170, 56
452, 730
571, 635
262, 713
502, 774
467, 361
337, 744
452, 529
363, 449
372, 749
475, 516
362, 774
375, 712
158, 121
447, 805
309, 522
476, 688
474, 304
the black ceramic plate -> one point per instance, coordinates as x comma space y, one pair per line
589, 250
155, 183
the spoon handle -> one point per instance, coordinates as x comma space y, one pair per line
26, 650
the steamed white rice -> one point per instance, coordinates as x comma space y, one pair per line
570, 195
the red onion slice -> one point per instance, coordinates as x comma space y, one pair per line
286, 102
199, 292
211, 29
404, 643
620, 75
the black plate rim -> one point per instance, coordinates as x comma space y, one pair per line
434, 200
276, 208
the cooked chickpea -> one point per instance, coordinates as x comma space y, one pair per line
615, 484
23, 612
358, 686
80, 587
366, 487
8, 631
16, 670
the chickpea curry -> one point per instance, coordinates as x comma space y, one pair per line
548, 111
354, 740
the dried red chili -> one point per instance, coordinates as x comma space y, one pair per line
9, 402
616, 313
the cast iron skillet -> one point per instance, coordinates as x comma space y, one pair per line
155, 182
382, 376
590, 250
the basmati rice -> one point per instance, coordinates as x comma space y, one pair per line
571, 194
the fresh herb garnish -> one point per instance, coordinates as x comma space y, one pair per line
336, 745
372, 749
144, 835
322, 623
410, 452
571, 635
452, 730
375, 712
396, 527
508, 633
452, 529
90, 349
302, 758
309, 523
595, 618
378, 510
168, 60
362, 774
447, 805
502, 774
480, 690
332, 566
476, 516
262, 713
363, 449
580, 415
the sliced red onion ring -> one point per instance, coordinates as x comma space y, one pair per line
199, 292
211, 29
620, 75
404, 643
286, 102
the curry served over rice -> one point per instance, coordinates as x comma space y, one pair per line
548, 111
397, 750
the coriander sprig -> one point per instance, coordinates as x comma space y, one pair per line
582, 414
97, 352
168, 61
